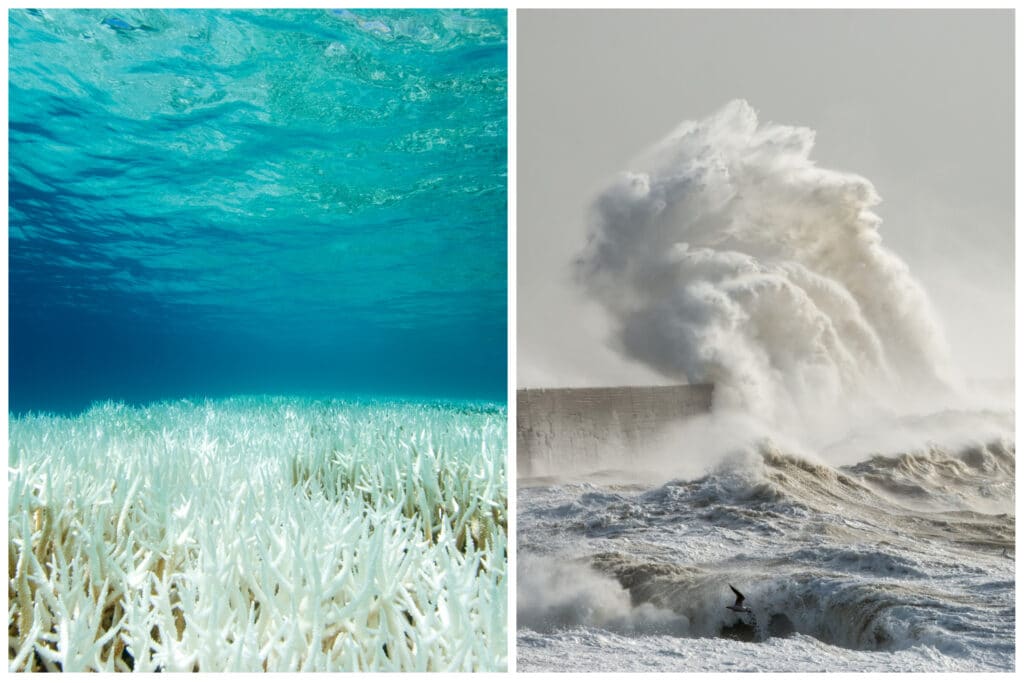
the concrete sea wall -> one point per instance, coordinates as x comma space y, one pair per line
558, 428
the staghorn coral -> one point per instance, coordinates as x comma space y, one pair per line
258, 534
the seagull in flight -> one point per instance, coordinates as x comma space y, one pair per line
738, 606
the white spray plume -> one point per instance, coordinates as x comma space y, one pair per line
728, 257
556, 594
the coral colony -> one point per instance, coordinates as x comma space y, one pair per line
258, 534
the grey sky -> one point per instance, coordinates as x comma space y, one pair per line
918, 102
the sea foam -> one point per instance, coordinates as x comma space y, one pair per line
847, 481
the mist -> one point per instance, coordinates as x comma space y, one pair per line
929, 129
557, 594
811, 212
727, 256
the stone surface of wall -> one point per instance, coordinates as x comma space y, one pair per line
559, 427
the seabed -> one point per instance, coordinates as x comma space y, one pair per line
259, 535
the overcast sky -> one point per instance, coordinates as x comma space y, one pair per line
918, 102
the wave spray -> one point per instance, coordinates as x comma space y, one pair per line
727, 256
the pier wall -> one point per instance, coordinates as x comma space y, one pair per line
565, 427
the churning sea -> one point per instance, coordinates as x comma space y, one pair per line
212, 203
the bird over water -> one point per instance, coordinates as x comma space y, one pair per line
738, 605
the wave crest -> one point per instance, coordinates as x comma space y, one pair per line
729, 257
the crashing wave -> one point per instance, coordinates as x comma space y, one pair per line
727, 256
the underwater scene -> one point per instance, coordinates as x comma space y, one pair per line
257, 340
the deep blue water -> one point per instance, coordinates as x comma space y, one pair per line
208, 203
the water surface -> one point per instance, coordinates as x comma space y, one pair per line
221, 202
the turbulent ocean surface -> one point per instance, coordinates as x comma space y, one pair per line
208, 203
896, 563
847, 481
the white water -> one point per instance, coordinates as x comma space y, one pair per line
727, 256
847, 480
901, 563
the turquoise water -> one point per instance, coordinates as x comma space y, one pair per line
210, 203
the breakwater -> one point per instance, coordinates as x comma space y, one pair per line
579, 426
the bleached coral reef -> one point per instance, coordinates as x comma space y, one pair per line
259, 534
